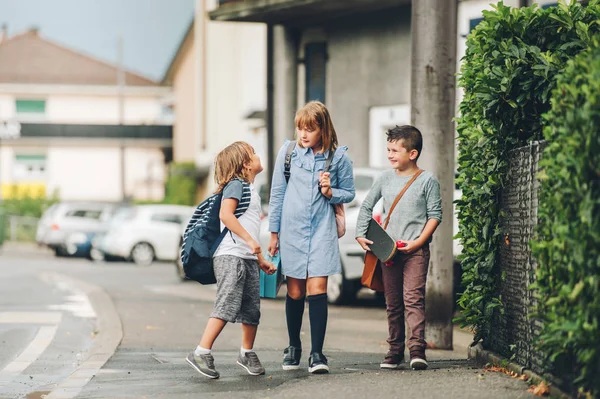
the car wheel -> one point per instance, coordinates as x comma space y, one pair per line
142, 254
60, 252
339, 290
96, 255
179, 266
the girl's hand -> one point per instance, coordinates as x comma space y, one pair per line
325, 183
273, 244
411, 246
267, 267
254, 247
364, 243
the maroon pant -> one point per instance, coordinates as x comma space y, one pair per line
404, 285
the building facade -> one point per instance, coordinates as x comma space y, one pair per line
218, 76
78, 127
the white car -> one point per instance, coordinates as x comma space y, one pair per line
144, 233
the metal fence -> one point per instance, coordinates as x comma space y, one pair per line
20, 228
515, 330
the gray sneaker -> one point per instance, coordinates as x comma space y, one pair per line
250, 362
204, 364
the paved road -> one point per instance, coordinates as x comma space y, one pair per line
161, 319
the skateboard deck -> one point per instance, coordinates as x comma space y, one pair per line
383, 247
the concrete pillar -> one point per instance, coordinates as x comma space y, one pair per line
432, 109
285, 69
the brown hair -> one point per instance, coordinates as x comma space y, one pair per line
230, 162
315, 115
411, 136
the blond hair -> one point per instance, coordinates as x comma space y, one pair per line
231, 163
315, 115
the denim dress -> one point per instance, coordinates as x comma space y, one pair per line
305, 218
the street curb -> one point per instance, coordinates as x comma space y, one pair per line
110, 334
483, 356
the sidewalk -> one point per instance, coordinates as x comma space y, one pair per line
18, 248
353, 375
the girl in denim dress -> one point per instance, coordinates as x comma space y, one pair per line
303, 227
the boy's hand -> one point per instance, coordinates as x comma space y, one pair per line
364, 243
273, 247
410, 247
254, 247
267, 267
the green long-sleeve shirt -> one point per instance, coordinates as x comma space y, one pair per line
419, 203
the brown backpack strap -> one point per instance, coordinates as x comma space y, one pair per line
406, 186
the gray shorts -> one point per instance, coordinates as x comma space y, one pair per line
238, 290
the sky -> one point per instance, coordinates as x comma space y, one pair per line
151, 29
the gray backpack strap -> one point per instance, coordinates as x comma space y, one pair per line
288, 160
328, 161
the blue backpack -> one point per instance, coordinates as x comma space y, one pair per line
203, 235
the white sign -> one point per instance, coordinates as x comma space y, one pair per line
10, 130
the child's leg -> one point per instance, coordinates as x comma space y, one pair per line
294, 309
415, 278
317, 311
211, 332
249, 314
229, 297
392, 284
248, 335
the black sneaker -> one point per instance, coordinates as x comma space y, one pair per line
204, 364
391, 361
291, 358
317, 364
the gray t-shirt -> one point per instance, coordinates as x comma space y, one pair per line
419, 203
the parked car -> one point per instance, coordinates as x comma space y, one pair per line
69, 227
144, 233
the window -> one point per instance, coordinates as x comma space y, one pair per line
31, 107
29, 168
84, 213
473, 23
316, 60
167, 217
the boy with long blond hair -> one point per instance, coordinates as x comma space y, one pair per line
236, 261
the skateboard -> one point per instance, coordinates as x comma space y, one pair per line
384, 247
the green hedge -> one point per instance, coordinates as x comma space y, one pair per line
180, 188
508, 74
568, 243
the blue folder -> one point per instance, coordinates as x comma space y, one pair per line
270, 283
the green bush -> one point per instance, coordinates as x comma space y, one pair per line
28, 206
567, 246
181, 185
508, 74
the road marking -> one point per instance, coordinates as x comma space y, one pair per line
39, 344
30, 317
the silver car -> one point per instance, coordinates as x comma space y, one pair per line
67, 227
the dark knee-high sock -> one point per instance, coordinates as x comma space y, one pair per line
294, 311
317, 312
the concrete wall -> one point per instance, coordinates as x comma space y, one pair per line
236, 86
185, 139
368, 66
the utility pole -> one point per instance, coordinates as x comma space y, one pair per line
432, 109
